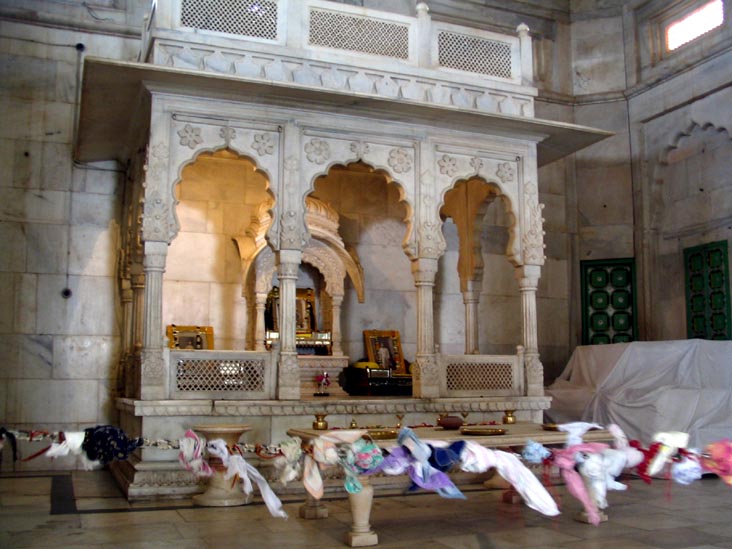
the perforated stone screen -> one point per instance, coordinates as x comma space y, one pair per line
256, 18
348, 32
474, 54
477, 376
193, 374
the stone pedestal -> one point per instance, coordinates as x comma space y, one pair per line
361, 534
221, 492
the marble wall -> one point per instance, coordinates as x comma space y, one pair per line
58, 230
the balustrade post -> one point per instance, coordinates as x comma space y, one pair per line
424, 36
527, 55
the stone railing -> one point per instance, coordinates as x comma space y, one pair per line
240, 375
315, 43
481, 375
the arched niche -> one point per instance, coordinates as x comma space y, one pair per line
465, 216
375, 222
219, 195
325, 251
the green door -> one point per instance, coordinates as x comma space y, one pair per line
707, 291
608, 301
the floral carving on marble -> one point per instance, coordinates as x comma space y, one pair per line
157, 161
448, 165
533, 237
289, 370
157, 223
190, 137
263, 144
360, 149
153, 367
291, 163
289, 224
530, 188
227, 134
317, 151
429, 372
430, 240
505, 172
400, 160
476, 163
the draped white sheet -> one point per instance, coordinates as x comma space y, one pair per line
649, 387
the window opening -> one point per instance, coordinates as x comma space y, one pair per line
699, 22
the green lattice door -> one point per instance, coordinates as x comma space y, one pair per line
608, 301
707, 291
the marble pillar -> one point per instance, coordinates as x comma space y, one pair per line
153, 362
426, 382
335, 328
471, 298
528, 278
289, 372
260, 303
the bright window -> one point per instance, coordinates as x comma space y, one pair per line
700, 21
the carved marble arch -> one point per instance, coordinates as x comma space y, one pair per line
325, 251
368, 162
467, 203
256, 177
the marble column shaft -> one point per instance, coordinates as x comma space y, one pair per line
471, 298
288, 384
426, 382
335, 330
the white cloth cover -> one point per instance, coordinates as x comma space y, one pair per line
649, 387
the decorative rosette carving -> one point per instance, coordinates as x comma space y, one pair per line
505, 172
190, 136
360, 149
317, 151
448, 165
400, 160
263, 144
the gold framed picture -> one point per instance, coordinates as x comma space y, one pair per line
194, 338
384, 347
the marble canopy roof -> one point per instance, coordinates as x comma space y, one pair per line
114, 93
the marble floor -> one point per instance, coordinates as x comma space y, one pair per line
86, 509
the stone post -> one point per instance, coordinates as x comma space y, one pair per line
528, 278
471, 298
424, 36
426, 381
527, 55
289, 371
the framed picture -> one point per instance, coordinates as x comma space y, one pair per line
194, 338
384, 347
305, 314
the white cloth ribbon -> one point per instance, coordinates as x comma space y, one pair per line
237, 465
478, 459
